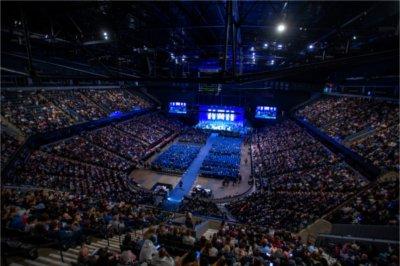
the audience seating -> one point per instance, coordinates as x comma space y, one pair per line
340, 117
43, 111
9, 145
223, 160
177, 158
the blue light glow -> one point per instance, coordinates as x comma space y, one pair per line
266, 112
177, 108
115, 114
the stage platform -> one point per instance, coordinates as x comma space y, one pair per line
216, 126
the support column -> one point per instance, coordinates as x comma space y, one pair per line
228, 12
31, 71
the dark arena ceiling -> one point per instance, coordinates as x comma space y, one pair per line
187, 39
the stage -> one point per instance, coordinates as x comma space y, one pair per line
222, 118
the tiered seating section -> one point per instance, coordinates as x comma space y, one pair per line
9, 145
200, 206
93, 163
76, 104
45, 170
223, 160
341, 117
303, 183
286, 147
117, 100
378, 205
33, 113
42, 111
48, 216
381, 147
80, 149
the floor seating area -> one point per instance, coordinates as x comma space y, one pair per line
177, 158
223, 160
341, 117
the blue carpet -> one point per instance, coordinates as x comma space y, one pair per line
189, 177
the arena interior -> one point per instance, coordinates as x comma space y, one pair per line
187, 133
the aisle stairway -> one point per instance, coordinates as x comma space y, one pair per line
71, 255
189, 177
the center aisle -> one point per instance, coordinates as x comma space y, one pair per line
189, 177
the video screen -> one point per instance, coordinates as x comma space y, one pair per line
177, 108
266, 112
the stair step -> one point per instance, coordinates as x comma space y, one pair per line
58, 257
50, 261
34, 263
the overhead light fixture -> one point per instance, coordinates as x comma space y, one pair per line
265, 45
311, 47
354, 37
281, 28
279, 46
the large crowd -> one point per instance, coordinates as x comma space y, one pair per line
43, 216
118, 100
41, 111
378, 205
295, 200
194, 135
200, 206
9, 145
300, 180
76, 104
177, 158
381, 148
286, 147
223, 159
93, 163
88, 190
150, 128
136, 138
341, 117
46, 216
80, 149
45, 170
33, 113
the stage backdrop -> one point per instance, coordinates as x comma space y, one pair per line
221, 113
